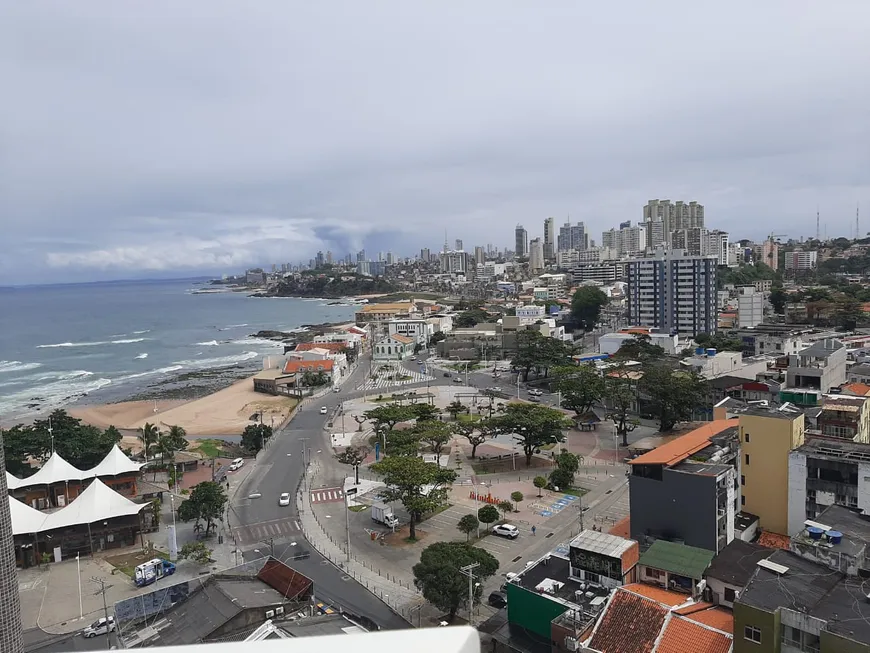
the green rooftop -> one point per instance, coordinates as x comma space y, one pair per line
680, 559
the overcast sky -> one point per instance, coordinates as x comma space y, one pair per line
177, 138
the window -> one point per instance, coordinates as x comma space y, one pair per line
742, 480
747, 436
742, 499
752, 634
747, 459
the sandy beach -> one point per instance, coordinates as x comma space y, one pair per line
225, 412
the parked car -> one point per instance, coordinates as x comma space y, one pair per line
284, 499
457, 380
99, 627
506, 530
446, 375
336, 388
497, 600
323, 410
237, 464
536, 393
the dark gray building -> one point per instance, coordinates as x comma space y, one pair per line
10, 604
687, 490
674, 292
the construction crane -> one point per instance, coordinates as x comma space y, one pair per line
773, 235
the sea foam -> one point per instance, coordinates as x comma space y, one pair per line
17, 366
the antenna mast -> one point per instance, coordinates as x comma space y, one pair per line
818, 234
857, 232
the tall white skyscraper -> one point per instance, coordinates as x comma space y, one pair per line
536, 255
550, 238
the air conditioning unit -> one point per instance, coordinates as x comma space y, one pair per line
279, 609
270, 614
572, 644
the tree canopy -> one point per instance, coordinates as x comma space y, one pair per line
440, 580
206, 502
673, 395
581, 386
639, 348
586, 305
81, 445
255, 436
388, 415
406, 477
531, 425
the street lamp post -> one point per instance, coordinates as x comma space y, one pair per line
79, 574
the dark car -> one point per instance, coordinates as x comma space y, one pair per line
497, 600
446, 375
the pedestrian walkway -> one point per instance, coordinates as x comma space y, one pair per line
402, 597
274, 528
383, 381
327, 495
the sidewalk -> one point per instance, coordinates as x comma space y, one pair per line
396, 590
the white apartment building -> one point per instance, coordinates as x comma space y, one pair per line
419, 330
530, 314
604, 273
627, 240
674, 292
717, 244
750, 307
569, 258
536, 254
801, 260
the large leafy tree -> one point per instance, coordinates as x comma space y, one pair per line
474, 432
255, 436
403, 442
531, 425
420, 486
79, 444
355, 457
586, 305
468, 524
435, 435
439, 578
528, 355
639, 348
206, 503
673, 394
487, 514
389, 415
621, 393
455, 407
581, 386
426, 412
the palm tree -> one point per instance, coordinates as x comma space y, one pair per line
148, 435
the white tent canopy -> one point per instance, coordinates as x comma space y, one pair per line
24, 518
58, 470
97, 503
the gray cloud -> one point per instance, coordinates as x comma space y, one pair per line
205, 136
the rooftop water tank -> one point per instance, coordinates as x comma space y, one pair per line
814, 532
711, 352
699, 351
834, 537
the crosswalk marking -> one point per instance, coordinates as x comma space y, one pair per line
256, 532
327, 495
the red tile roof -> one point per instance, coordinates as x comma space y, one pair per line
774, 540
682, 635
859, 389
678, 450
631, 623
709, 615
658, 594
292, 367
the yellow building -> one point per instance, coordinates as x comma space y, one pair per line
383, 312
767, 435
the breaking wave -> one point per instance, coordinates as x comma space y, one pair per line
17, 366
95, 343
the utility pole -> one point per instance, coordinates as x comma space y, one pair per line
580, 506
102, 590
349, 492
468, 570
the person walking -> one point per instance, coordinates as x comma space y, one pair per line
534, 530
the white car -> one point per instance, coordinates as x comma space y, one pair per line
238, 463
99, 627
506, 530
535, 393
323, 410
335, 388
284, 499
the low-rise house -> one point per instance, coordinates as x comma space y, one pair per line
603, 559
274, 381
817, 369
838, 538
731, 569
859, 373
793, 604
419, 330
310, 351
644, 619
845, 416
674, 566
314, 367
393, 348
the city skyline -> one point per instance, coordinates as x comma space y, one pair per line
137, 148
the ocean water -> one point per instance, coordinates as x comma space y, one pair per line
107, 341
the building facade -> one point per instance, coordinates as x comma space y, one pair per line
536, 255
10, 603
673, 291
550, 239
521, 242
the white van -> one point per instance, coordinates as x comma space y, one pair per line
237, 464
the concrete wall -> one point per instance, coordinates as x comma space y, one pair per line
766, 490
680, 506
767, 622
797, 492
